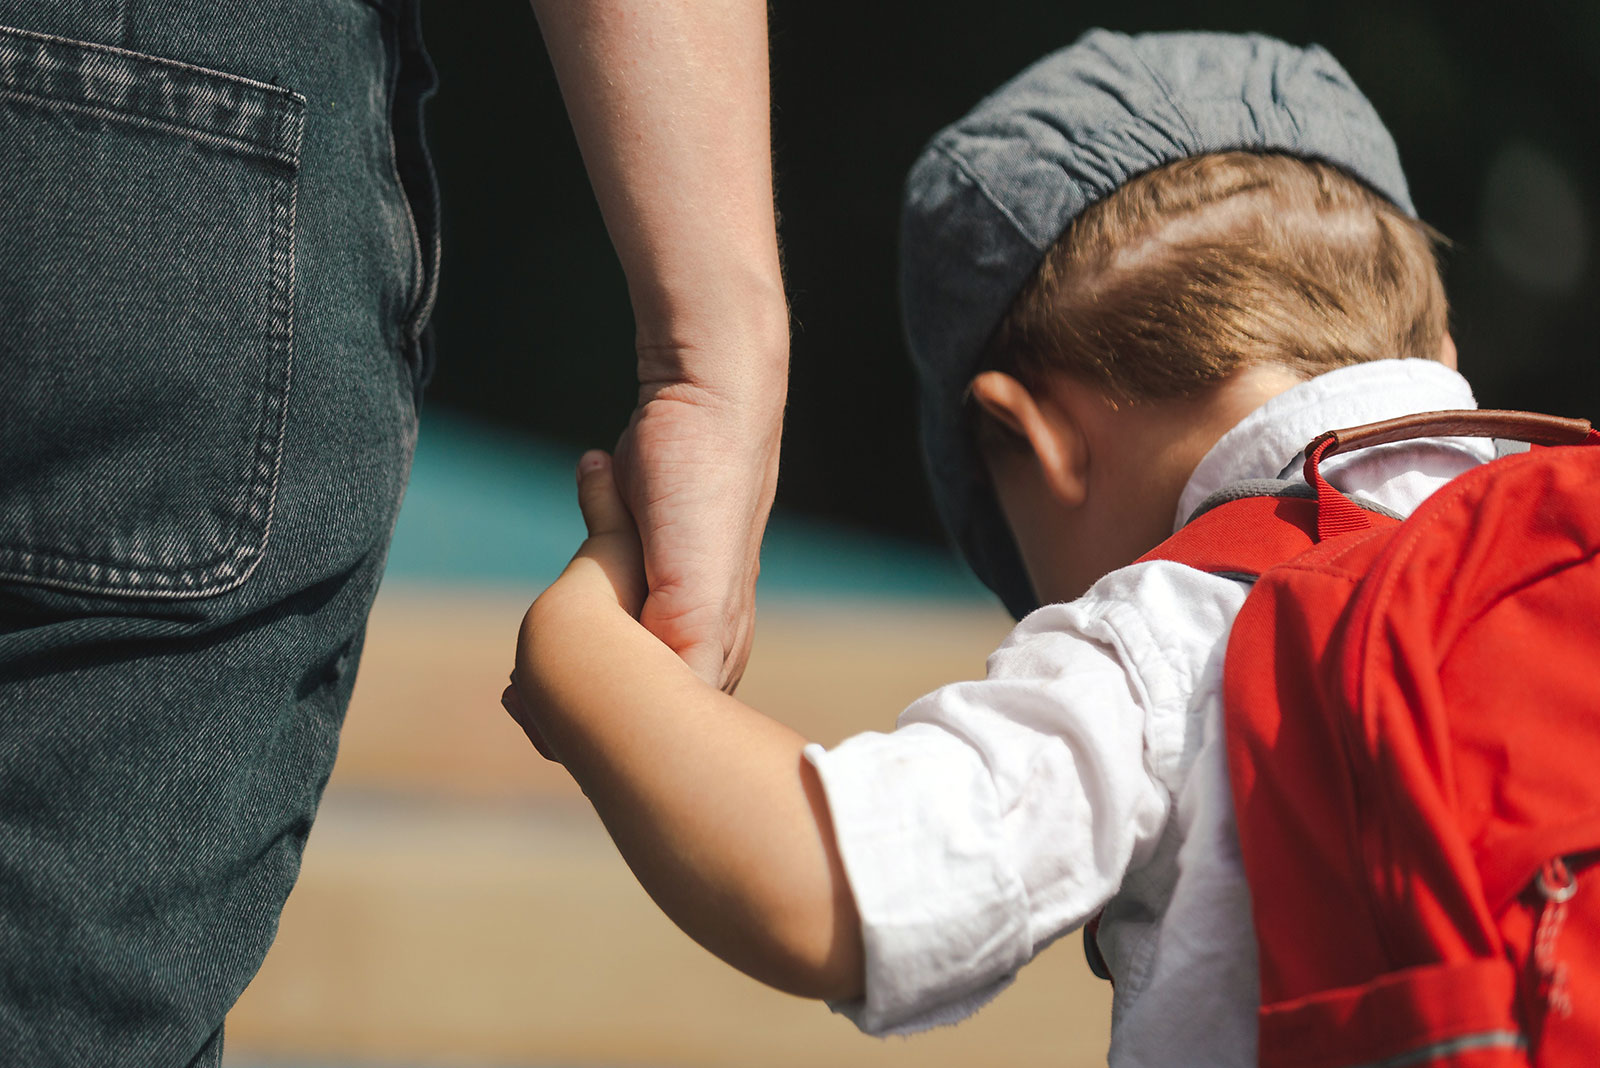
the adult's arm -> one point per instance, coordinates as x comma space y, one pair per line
669, 99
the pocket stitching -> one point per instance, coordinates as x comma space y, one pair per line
142, 58
133, 118
93, 75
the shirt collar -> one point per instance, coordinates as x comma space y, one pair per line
1267, 440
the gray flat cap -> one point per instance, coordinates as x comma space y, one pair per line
991, 193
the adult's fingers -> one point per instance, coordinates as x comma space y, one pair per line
699, 477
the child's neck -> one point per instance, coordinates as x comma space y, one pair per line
1141, 458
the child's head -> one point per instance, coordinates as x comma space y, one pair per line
1129, 247
1214, 263
1161, 317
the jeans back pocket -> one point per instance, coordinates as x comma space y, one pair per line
146, 317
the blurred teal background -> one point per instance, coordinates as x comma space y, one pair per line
493, 509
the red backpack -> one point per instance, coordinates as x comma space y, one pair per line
1413, 738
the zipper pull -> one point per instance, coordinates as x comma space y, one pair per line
1557, 885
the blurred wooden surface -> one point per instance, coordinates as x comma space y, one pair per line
461, 905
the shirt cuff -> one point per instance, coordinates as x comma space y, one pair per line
944, 916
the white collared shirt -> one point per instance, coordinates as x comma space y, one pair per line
1086, 771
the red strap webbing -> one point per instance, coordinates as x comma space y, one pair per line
1336, 513
1243, 537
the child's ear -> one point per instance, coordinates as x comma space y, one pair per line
1048, 431
1003, 399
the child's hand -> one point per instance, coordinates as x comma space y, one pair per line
609, 563
713, 805
613, 542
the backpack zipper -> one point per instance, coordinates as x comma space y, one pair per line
1556, 885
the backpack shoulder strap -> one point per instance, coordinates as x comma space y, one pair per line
1239, 532
1248, 527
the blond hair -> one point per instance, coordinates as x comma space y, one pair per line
1219, 262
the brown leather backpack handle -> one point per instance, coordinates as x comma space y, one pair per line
1338, 514
1467, 423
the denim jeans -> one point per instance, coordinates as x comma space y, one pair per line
218, 249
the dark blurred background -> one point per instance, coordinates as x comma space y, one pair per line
1495, 110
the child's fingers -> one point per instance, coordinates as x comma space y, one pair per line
598, 496
512, 702
613, 541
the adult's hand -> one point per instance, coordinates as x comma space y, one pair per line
669, 99
697, 466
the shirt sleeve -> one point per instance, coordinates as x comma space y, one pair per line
1000, 815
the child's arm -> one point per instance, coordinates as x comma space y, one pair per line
712, 804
